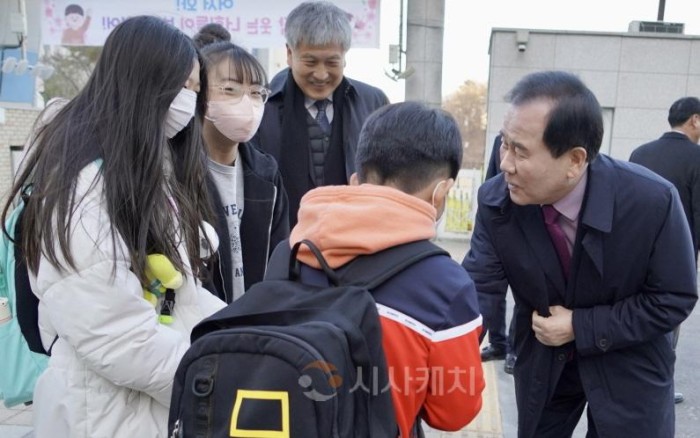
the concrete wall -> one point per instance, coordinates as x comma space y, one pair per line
14, 132
635, 76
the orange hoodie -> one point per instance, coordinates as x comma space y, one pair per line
347, 221
429, 313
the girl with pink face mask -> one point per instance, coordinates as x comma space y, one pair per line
245, 184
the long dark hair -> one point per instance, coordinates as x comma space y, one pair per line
119, 118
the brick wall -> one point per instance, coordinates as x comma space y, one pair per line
14, 132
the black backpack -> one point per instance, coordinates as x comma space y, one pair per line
294, 360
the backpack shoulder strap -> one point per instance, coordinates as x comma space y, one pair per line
27, 302
368, 270
373, 270
283, 263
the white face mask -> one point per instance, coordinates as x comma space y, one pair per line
181, 112
440, 214
236, 121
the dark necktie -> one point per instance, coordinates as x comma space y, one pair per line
556, 233
321, 117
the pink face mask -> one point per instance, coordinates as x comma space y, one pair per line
237, 121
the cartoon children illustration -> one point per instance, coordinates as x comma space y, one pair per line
76, 25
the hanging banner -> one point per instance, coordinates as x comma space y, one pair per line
252, 23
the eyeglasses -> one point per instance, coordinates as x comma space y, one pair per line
235, 92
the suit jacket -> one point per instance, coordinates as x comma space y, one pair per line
676, 158
632, 280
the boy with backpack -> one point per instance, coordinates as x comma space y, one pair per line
362, 326
408, 156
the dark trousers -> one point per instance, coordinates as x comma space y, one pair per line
563, 412
495, 326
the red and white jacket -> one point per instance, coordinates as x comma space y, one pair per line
429, 312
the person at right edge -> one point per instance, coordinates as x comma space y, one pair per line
676, 157
314, 114
599, 258
408, 156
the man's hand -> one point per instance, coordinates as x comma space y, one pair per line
554, 330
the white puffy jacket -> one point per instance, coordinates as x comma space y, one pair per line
112, 367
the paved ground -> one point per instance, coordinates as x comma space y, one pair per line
498, 417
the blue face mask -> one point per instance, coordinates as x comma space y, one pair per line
180, 112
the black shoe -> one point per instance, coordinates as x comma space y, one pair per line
678, 397
492, 353
509, 364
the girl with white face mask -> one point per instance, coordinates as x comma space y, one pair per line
116, 176
245, 184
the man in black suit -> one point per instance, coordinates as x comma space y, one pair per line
314, 115
558, 225
676, 157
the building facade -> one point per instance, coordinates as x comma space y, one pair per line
14, 132
20, 103
635, 75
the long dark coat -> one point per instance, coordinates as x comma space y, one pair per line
633, 279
